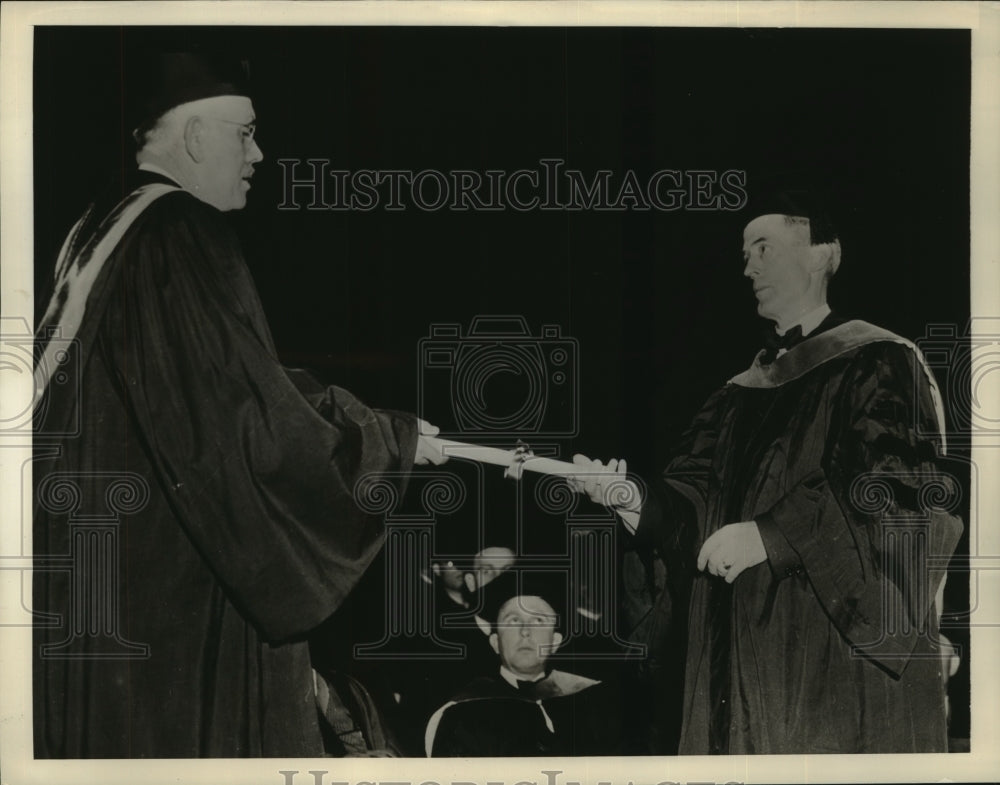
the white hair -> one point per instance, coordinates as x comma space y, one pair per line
166, 132
834, 259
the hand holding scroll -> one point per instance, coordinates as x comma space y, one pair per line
608, 486
428, 448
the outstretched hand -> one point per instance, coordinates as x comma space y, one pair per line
428, 450
606, 485
732, 549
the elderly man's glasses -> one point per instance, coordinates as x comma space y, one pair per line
247, 130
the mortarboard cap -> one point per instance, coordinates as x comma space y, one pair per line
164, 80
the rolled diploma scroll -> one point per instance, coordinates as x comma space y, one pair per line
622, 493
512, 460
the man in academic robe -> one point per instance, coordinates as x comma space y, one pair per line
525, 707
806, 503
203, 508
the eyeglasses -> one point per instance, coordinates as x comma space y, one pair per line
247, 129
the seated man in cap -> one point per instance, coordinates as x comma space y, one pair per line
230, 480
525, 708
813, 611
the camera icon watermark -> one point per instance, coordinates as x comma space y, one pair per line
966, 364
499, 379
28, 411
85, 586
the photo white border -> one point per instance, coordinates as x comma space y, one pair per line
16, 301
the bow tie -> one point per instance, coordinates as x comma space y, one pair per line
774, 342
529, 688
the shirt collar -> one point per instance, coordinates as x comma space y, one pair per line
809, 321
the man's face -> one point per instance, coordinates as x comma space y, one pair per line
777, 255
525, 635
229, 151
488, 564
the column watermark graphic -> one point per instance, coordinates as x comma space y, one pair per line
93, 619
913, 511
409, 612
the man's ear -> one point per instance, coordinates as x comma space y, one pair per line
436, 569
194, 138
494, 642
470, 582
557, 640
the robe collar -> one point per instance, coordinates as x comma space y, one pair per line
826, 346
821, 348
79, 266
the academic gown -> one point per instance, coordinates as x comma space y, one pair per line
831, 645
564, 715
200, 517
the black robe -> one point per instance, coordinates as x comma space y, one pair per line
564, 715
830, 645
199, 514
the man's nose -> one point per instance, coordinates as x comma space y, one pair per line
751, 269
255, 154
525, 630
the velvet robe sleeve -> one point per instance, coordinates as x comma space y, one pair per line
259, 463
834, 523
670, 516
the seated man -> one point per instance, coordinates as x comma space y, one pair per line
524, 708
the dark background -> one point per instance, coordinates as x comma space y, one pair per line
656, 301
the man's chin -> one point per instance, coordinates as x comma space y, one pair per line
527, 663
764, 311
